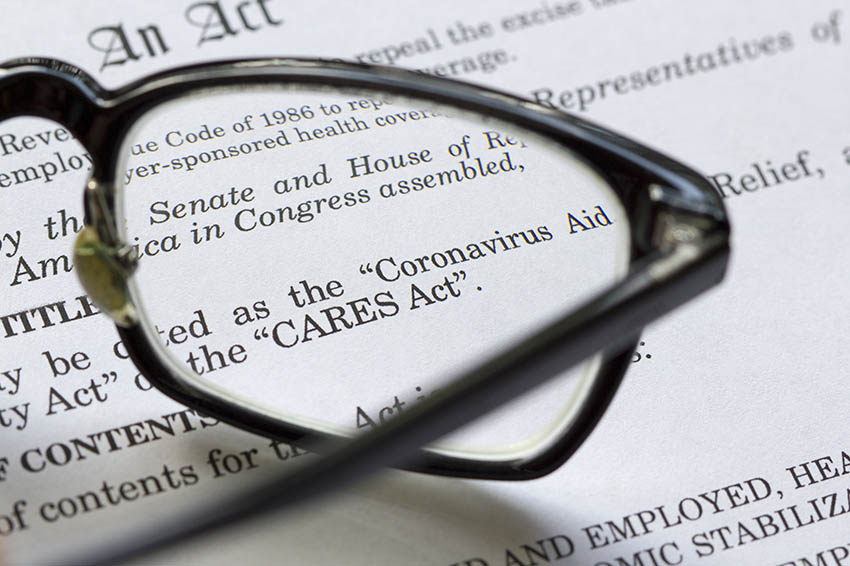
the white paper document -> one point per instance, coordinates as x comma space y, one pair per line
727, 442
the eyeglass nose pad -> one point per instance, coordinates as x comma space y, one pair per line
103, 265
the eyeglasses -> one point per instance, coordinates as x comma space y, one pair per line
365, 261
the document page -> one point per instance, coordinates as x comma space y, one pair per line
727, 442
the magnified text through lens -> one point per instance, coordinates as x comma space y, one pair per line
335, 257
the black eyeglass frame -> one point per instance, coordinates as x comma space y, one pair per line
679, 248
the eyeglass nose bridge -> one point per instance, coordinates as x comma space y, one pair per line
63, 93
51, 89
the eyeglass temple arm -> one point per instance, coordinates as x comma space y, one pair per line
607, 323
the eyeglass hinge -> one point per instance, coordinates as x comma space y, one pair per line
675, 226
